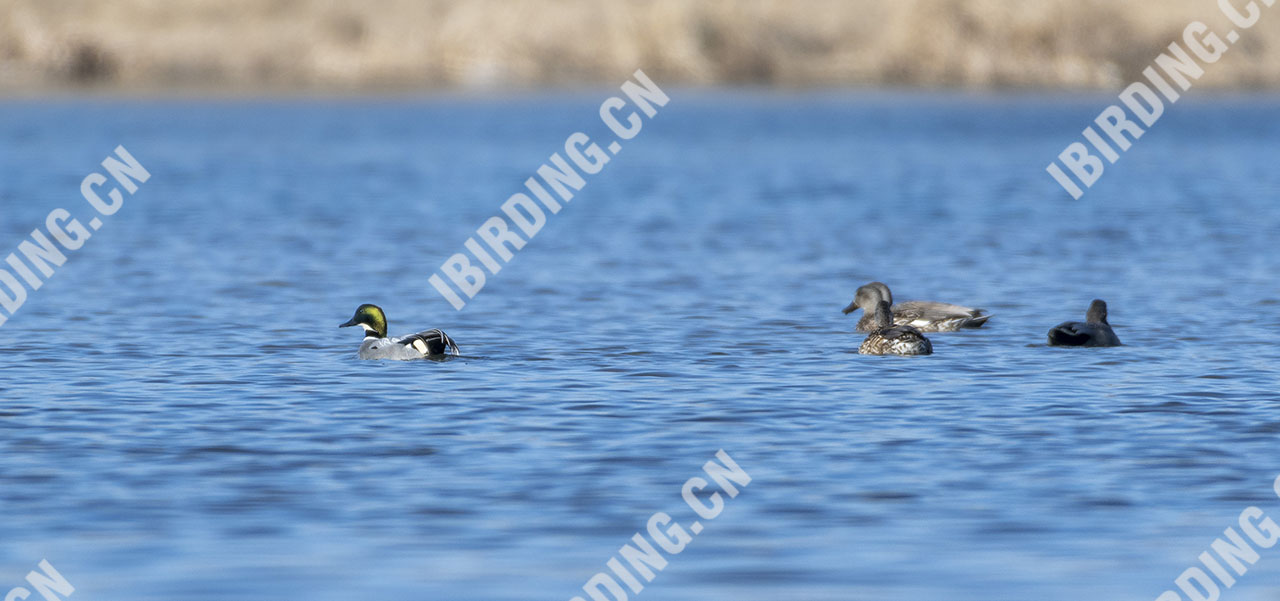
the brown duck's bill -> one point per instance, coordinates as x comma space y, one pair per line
851, 308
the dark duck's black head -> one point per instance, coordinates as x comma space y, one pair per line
1097, 312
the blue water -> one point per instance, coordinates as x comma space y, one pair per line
183, 420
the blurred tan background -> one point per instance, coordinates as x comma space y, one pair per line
230, 46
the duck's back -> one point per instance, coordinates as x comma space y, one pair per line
431, 343
897, 340
386, 348
1079, 333
932, 307
930, 316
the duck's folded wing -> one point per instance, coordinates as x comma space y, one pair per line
1071, 333
896, 332
430, 342
904, 314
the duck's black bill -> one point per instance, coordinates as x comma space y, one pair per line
349, 323
850, 309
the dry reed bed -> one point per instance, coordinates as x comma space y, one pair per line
428, 44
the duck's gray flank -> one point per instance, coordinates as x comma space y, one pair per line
926, 316
376, 345
1093, 331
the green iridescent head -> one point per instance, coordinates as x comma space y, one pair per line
371, 318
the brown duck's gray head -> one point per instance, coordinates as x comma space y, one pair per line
1097, 312
885, 295
866, 298
883, 316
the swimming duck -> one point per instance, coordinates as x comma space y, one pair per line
888, 339
926, 316
1094, 331
431, 343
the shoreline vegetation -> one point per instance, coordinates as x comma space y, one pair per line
331, 46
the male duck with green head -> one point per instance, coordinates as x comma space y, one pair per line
428, 344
